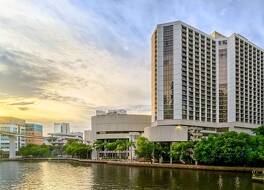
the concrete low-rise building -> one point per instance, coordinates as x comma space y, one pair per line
181, 130
116, 125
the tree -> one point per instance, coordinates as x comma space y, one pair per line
259, 130
98, 145
57, 150
78, 149
144, 148
2, 153
111, 146
158, 151
38, 151
230, 148
203, 150
161, 150
123, 145
256, 154
182, 151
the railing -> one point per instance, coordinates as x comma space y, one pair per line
8, 133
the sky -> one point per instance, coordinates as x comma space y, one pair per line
62, 60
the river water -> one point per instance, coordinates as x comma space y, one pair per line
63, 176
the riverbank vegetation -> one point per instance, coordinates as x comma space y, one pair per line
77, 149
73, 148
229, 149
226, 149
38, 151
145, 148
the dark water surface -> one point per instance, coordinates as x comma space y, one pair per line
64, 176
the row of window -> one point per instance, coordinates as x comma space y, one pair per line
198, 76
168, 72
249, 83
154, 75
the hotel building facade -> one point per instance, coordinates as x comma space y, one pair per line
203, 84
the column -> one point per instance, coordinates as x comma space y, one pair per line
12, 147
170, 151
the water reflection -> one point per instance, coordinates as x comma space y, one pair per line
63, 176
220, 182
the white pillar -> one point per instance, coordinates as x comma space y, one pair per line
12, 147
131, 151
94, 155
132, 138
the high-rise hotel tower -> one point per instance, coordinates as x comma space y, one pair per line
203, 84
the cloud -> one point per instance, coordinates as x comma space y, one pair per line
96, 54
23, 108
25, 74
45, 67
21, 103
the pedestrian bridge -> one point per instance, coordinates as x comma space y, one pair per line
12, 140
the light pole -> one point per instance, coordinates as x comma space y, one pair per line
170, 153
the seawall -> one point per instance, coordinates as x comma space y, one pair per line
147, 164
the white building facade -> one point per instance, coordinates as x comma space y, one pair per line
203, 84
116, 125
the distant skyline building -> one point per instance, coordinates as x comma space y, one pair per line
204, 84
62, 128
62, 138
11, 125
62, 135
36, 132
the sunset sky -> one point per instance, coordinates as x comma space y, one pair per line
61, 60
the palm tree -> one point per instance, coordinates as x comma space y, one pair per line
99, 145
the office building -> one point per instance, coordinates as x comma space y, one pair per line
62, 128
34, 133
203, 84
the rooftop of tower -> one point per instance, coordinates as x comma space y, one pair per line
217, 35
214, 34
